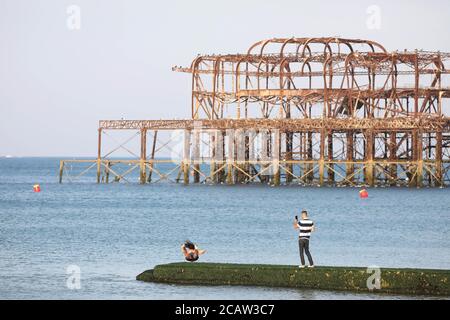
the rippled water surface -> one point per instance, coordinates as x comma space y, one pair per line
115, 231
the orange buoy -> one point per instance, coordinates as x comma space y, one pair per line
37, 188
363, 194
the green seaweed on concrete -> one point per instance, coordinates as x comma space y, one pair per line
401, 281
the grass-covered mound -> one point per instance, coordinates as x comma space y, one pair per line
402, 281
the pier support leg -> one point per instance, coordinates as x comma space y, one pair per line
265, 155
230, 156
419, 157
99, 154
322, 157
143, 157
196, 155
301, 154
213, 149
150, 171
61, 170
276, 158
310, 166
413, 168
369, 156
251, 152
186, 156
247, 141
349, 168
439, 177
108, 165
239, 151
330, 171
289, 150
221, 153
393, 157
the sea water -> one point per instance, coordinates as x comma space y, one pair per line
112, 232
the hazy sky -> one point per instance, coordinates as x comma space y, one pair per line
56, 83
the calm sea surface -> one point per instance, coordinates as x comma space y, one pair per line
115, 231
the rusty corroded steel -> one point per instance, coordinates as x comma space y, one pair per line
425, 123
310, 77
313, 111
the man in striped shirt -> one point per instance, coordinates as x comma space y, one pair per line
305, 226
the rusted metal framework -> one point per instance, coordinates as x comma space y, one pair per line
313, 111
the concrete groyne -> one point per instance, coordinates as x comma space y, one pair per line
356, 279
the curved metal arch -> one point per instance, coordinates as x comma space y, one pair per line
259, 69
281, 66
290, 40
322, 40
305, 46
262, 42
338, 42
237, 73
194, 66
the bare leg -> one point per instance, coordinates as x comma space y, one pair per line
183, 249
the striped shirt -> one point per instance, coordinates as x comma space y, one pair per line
305, 226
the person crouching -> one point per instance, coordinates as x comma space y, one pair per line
190, 251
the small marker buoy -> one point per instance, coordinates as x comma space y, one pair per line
37, 188
363, 194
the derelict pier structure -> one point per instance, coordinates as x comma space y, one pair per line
309, 111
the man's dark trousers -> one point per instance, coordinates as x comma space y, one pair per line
303, 245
